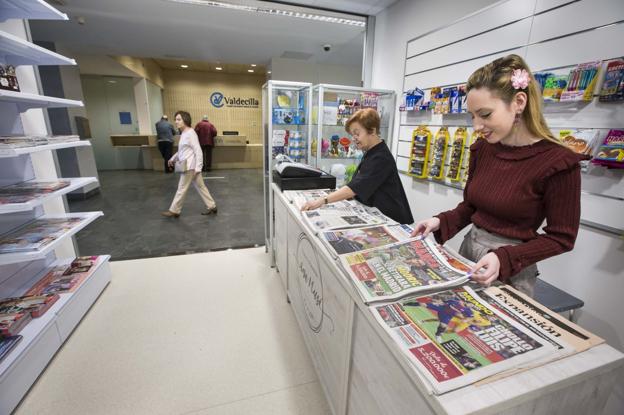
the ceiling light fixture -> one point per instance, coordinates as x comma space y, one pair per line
218, 68
250, 70
275, 12
183, 66
253, 65
269, 72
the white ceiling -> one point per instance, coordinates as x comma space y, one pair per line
168, 30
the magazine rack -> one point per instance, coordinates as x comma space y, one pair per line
363, 371
43, 336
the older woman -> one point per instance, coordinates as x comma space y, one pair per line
376, 181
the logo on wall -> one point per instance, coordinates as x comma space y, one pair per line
218, 100
310, 283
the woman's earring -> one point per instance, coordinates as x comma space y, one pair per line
517, 118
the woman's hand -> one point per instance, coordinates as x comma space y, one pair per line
425, 227
486, 270
170, 162
313, 204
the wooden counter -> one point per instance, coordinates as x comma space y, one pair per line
362, 371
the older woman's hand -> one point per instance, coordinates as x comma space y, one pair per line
313, 204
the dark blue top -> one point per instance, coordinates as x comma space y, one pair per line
165, 131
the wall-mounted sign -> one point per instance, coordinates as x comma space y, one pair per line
218, 100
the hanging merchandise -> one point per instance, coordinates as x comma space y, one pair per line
296, 146
580, 141
473, 139
440, 144
436, 98
8, 79
413, 99
421, 139
611, 153
370, 100
552, 85
581, 82
279, 140
613, 85
346, 108
463, 108
457, 154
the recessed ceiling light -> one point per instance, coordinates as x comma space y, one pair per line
268, 71
253, 65
250, 70
112, 82
184, 66
218, 68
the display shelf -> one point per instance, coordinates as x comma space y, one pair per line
75, 183
14, 152
26, 101
43, 336
29, 9
16, 51
11, 258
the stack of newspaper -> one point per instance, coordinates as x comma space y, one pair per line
21, 141
452, 332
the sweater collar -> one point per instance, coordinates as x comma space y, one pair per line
506, 152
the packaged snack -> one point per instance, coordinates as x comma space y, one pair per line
580, 141
611, 153
613, 85
457, 154
438, 153
421, 139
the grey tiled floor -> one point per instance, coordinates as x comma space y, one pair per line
133, 228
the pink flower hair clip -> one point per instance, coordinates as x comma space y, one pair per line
520, 78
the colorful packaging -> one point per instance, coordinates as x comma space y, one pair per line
457, 154
438, 153
613, 85
419, 154
8, 78
581, 82
611, 153
580, 141
554, 85
473, 138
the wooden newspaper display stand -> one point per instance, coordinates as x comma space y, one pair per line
362, 370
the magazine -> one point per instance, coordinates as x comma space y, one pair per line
454, 338
11, 324
66, 278
36, 305
13, 199
404, 268
34, 187
359, 239
37, 234
7, 344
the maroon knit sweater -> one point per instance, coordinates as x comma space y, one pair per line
510, 191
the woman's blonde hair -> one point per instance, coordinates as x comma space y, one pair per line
496, 76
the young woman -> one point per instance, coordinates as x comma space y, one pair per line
519, 175
376, 181
189, 159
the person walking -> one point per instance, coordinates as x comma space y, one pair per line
164, 134
188, 162
206, 133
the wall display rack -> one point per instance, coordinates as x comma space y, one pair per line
43, 336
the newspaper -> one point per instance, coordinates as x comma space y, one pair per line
351, 240
454, 338
301, 197
343, 215
393, 271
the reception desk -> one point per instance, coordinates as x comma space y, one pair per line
230, 151
363, 372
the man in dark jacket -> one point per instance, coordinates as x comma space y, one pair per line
206, 133
164, 134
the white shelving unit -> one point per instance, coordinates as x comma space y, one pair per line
43, 336
29, 9
15, 51
14, 152
75, 183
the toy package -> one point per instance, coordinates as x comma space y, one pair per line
288, 116
553, 86
8, 79
436, 166
613, 85
457, 154
473, 138
581, 82
296, 146
611, 152
279, 142
419, 154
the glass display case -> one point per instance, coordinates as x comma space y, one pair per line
331, 147
286, 127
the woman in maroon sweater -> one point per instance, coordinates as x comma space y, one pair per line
519, 175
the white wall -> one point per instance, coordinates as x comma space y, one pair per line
302, 71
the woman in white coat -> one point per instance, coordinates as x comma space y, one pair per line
188, 161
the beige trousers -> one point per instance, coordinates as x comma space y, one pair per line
479, 242
186, 179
